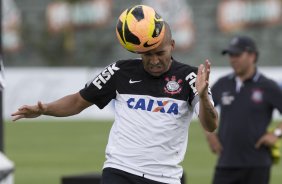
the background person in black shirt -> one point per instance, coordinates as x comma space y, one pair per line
246, 99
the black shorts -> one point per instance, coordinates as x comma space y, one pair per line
116, 176
254, 175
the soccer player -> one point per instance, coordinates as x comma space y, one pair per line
155, 97
246, 99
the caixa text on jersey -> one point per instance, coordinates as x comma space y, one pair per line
153, 105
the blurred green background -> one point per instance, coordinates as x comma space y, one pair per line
45, 151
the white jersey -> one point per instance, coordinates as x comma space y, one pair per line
150, 133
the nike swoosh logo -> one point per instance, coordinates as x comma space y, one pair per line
132, 82
149, 45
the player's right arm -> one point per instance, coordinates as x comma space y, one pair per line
66, 106
99, 91
214, 142
212, 137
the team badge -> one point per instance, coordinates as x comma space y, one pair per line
257, 95
227, 98
173, 86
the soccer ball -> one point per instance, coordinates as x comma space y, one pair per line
140, 29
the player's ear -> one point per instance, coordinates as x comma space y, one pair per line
172, 44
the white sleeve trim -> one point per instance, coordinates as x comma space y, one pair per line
197, 105
197, 108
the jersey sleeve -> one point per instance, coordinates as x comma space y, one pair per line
193, 98
275, 96
102, 89
192, 91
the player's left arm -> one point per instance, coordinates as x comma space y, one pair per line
207, 114
278, 131
274, 97
270, 138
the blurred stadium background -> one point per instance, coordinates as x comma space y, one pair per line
78, 33
53, 47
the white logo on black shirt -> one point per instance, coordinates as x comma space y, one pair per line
191, 78
227, 98
105, 76
257, 95
132, 81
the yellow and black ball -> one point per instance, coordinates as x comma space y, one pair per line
140, 29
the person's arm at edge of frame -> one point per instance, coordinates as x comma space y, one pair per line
66, 106
279, 130
270, 138
207, 114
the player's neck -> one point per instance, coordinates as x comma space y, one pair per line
248, 74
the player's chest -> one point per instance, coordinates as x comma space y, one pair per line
171, 85
247, 96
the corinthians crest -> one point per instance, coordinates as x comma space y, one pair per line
172, 86
257, 95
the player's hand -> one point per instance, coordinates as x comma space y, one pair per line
214, 143
28, 111
268, 139
202, 82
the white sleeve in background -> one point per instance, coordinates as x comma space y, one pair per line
197, 106
197, 109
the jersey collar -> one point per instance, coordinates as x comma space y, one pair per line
254, 78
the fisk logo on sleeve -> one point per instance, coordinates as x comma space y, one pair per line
105, 76
153, 105
191, 78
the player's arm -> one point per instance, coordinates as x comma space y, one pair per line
278, 131
66, 106
207, 114
214, 143
270, 138
274, 97
212, 137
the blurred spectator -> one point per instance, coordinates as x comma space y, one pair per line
246, 99
11, 22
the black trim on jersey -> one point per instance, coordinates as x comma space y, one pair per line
131, 78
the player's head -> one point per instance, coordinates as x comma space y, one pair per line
243, 54
157, 61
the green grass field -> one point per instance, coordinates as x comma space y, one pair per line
43, 152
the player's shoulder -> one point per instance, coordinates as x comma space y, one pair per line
266, 81
183, 71
226, 78
118, 67
129, 63
183, 67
